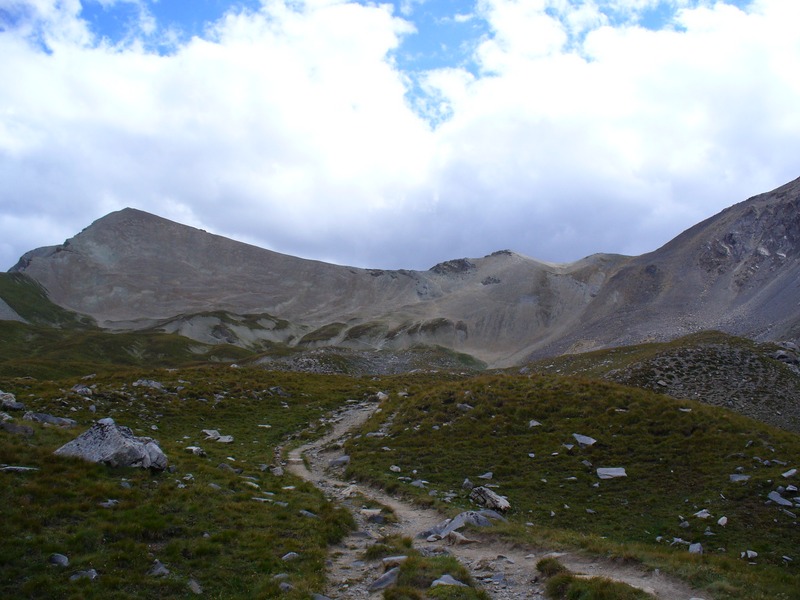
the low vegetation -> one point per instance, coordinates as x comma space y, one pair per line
206, 524
203, 522
563, 585
678, 456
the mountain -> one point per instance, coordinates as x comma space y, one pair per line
737, 272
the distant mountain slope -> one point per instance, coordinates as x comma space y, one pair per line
737, 272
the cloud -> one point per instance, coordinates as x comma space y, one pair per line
291, 126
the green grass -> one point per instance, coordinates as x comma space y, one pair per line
29, 300
45, 352
678, 462
218, 535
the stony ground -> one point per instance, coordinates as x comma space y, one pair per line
505, 571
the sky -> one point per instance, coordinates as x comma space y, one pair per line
397, 134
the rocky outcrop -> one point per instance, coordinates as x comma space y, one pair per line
116, 446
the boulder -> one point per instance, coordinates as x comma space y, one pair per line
486, 497
116, 446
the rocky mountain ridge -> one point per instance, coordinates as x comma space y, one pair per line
737, 272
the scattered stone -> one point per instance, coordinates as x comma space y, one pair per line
584, 440
611, 472
790, 473
467, 485
420, 483
195, 587
736, 478
148, 383
49, 419
110, 503
158, 569
196, 450
9, 402
277, 471
225, 439
394, 561
16, 469
15, 429
89, 574
534, 423
211, 434
448, 579
290, 556
394, 469
487, 475
464, 407
308, 514
58, 560
778, 499
703, 514
319, 597
341, 461
695, 548
386, 580
489, 499
749, 554
722, 521
285, 586
116, 446
82, 389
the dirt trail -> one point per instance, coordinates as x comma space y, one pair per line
505, 571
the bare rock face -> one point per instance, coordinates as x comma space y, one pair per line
116, 446
737, 272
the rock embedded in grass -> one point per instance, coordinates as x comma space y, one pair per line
611, 472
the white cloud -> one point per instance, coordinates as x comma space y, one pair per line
290, 127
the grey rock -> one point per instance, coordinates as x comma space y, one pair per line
737, 478
448, 579
341, 461
386, 580
195, 587
319, 597
285, 586
148, 383
9, 402
584, 440
115, 446
308, 514
695, 548
89, 574
277, 471
110, 503
59, 560
196, 450
158, 569
290, 556
486, 497
467, 485
15, 429
790, 473
778, 499
488, 475
16, 469
611, 472
49, 419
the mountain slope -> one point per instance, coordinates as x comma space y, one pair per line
737, 272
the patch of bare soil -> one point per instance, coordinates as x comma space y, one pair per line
505, 571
